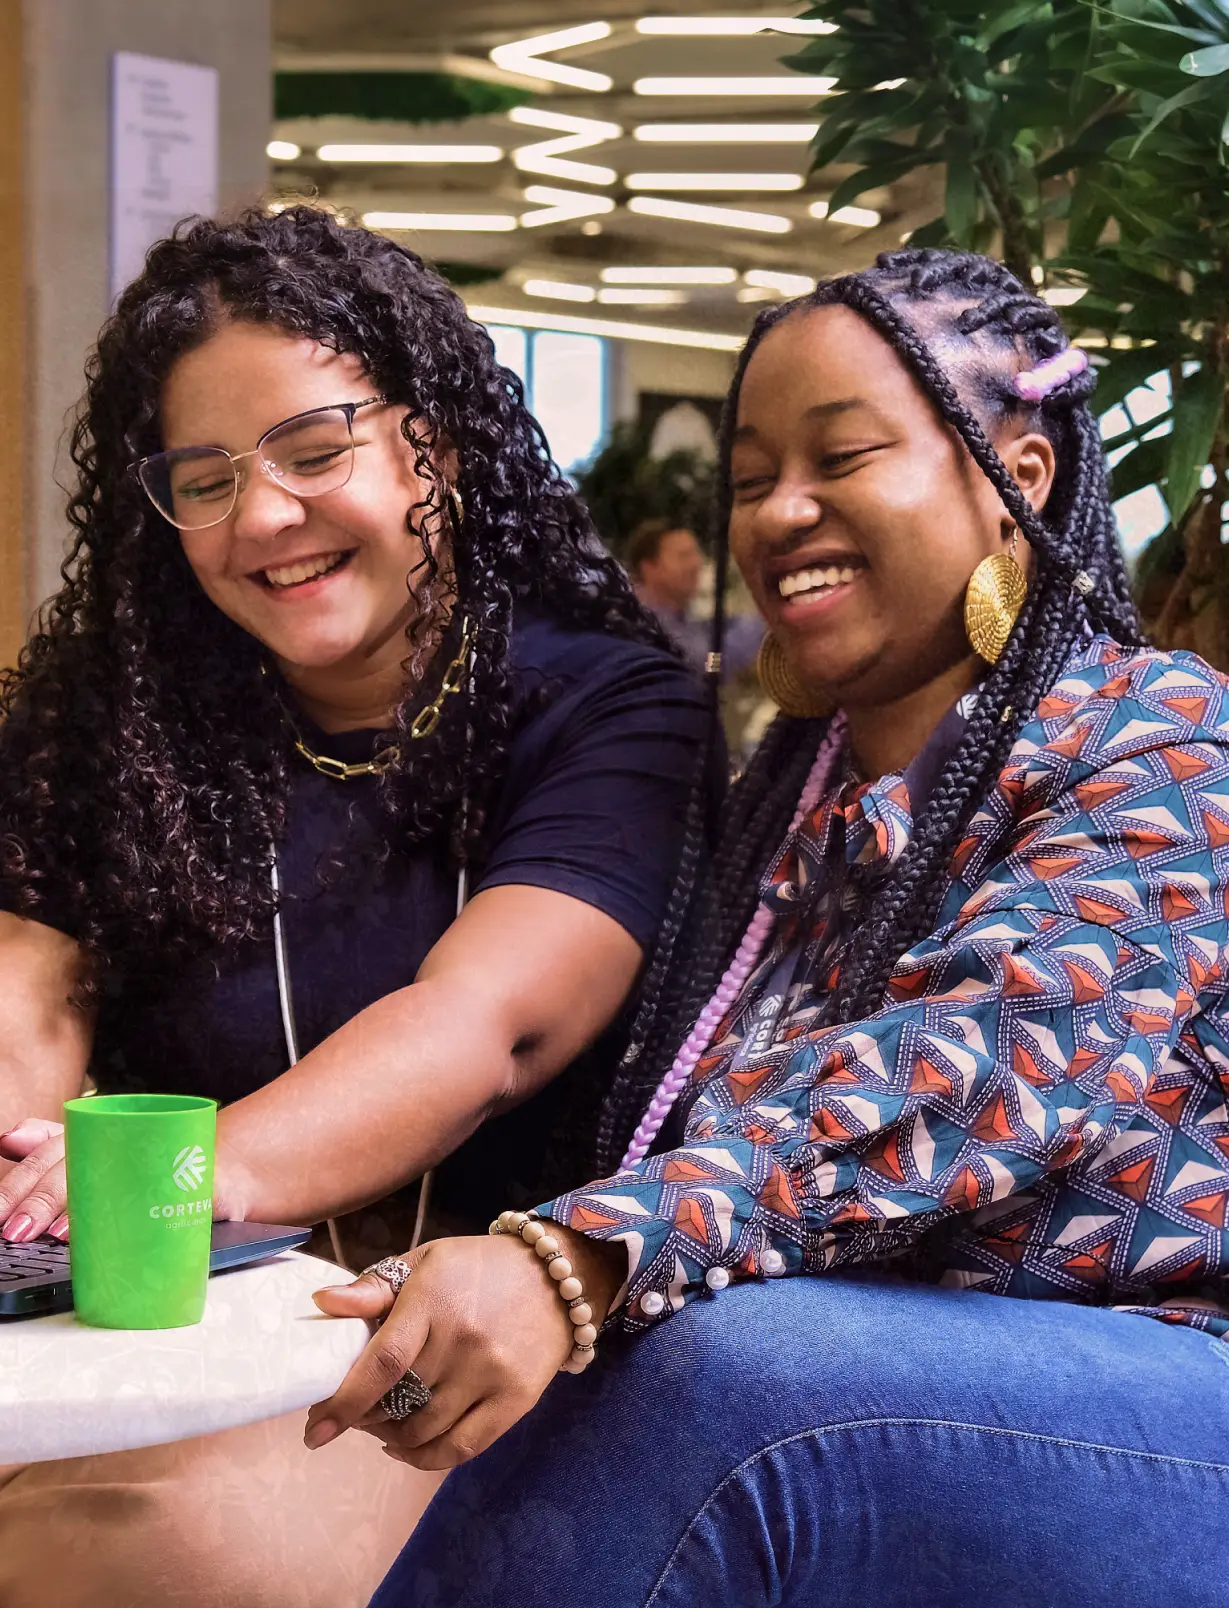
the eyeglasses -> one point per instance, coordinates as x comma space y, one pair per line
308, 454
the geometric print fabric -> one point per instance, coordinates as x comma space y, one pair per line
1039, 1107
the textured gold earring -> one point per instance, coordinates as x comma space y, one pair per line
993, 601
781, 684
458, 507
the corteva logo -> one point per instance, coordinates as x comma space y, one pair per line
187, 1173
189, 1168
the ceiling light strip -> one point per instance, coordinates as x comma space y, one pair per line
668, 276
860, 217
779, 84
786, 284
410, 153
726, 133
578, 134
564, 123
714, 181
562, 206
615, 329
640, 296
525, 56
651, 206
723, 27
559, 290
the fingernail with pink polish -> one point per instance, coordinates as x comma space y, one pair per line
18, 1229
59, 1229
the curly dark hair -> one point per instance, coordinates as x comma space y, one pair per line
963, 325
145, 758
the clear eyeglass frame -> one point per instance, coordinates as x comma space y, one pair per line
329, 469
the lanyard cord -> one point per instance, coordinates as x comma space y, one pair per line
290, 1034
286, 1003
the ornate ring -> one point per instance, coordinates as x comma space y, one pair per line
392, 1270
405, 1397
409, 1393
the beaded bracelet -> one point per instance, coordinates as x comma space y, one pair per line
571, 1290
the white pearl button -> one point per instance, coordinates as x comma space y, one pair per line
772, 1263
651, 1303
717, 1278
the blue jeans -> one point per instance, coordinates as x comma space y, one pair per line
852, 1441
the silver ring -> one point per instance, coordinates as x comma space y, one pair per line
409, 1393
405, 1397
392, 1270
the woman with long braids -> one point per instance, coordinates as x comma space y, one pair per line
952, 1028
336, 646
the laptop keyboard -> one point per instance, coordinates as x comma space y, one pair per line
41, 1258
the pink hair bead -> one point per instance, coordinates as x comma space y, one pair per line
739, 969
1036, 383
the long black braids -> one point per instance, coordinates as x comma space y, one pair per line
986, 325
145, 757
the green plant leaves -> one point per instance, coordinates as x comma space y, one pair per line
397, 96
1184, 97
960, 198
1198, 409
1014, 16
873, 176
1143, 466
1207, 63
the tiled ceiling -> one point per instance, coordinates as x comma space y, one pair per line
458, 37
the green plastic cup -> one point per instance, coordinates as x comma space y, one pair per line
140, 1203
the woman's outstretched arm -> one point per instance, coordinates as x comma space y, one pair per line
520, 983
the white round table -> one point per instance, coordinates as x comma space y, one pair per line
263, 1348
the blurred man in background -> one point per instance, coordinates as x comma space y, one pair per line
666, 563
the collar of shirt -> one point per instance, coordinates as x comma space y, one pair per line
867, 824
864, 823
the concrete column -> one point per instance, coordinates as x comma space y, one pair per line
13, 566
65, 90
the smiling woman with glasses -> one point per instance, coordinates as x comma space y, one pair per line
345, 781
310, 453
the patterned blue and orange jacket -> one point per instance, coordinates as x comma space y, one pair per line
1039, 1109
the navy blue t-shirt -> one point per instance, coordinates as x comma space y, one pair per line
605, 742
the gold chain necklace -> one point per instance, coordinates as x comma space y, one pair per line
423, 724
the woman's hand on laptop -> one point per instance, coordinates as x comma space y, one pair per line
34, 1193
482, 1326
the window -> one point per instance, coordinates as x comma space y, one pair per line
565, 386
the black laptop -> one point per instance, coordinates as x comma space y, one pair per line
34, 1278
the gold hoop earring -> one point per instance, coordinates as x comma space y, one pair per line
993, 601
779, 682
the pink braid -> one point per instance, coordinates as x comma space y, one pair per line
1035, 384
740, 968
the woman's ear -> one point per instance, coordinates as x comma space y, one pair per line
1030, 458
